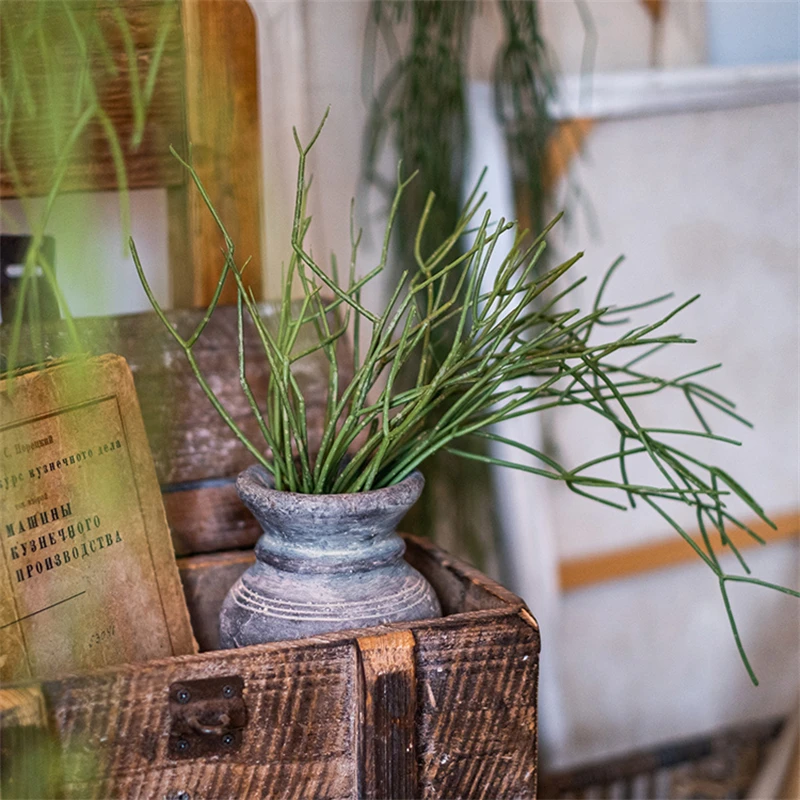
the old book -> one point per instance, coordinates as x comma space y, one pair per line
87, 571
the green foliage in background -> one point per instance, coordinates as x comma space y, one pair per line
420, 106
57, 60
418, 112
34, 764
518, 349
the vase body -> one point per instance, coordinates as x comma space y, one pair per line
324, 563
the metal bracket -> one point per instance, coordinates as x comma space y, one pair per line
207, 717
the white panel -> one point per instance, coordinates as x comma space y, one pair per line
651, 659
704, 202
93, 268
698, 203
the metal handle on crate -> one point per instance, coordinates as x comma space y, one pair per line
210, 730
208, 717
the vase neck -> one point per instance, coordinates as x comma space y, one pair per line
327, 533
355, 550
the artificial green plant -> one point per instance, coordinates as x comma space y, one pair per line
518, 349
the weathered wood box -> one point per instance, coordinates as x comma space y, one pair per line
441, 708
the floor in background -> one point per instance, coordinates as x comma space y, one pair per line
722, 766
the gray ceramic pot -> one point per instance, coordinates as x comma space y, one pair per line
324, 563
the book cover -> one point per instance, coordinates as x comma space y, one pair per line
87, 570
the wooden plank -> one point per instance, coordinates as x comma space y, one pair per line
299, 741
389, 758
576, 573
475, 695
223, 128
208, 516
206, 580
33, 140
459, 586
196, 455
476, 713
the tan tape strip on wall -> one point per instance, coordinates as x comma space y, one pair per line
576, 573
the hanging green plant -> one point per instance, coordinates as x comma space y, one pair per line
419, 112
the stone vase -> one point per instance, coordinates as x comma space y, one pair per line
324, 563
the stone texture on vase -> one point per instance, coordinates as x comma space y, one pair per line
324, 563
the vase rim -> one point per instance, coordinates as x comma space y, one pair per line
405, 492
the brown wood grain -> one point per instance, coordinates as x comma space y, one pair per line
459, 586
222, 125
299, 741
577, 573
314, 705
388, 744
476, 714
209, 517
33, 138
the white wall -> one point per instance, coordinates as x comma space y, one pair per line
651, 659
94, 269
698, 203
703, 202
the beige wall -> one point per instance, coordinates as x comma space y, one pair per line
703, 202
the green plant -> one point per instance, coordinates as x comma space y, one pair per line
57, 67
420, 106
418, 110
516, 350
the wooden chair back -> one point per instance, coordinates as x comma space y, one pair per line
205, 93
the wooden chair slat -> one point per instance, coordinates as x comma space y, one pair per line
91, 166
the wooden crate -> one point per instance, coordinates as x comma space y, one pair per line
436, 708
441, 708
